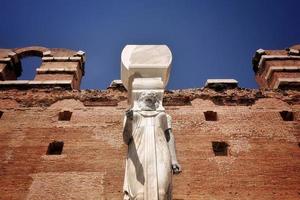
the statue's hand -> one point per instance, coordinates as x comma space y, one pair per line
176, 168
129, 114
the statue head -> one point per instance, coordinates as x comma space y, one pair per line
148, 101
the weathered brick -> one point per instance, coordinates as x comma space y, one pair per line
263, 160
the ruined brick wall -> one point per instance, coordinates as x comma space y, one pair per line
278, 68
59, 66
262, 161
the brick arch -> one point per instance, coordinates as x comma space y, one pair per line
30, 51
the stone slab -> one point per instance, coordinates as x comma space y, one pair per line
145, 61
221, 84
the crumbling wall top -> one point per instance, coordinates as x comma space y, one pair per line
59, 65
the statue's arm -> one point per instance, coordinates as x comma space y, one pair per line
127, 130
172, 148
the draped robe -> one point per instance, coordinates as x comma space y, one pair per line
148, 165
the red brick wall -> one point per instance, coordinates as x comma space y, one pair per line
263, 160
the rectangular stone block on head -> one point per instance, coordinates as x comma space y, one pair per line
145, 61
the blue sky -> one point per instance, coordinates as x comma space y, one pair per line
208, 38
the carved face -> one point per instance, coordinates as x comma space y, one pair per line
148, 101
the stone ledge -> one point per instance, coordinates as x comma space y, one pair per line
221, 84
46, 70
58, 71
25, 84
275, 57
294, 51
78, 58
63, 59
283, 83
117, 85
273, 69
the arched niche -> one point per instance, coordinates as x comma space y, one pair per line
30, 58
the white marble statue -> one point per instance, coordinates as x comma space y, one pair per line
151, 159
151, 156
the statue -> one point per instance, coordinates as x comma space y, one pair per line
151, 151
151, 158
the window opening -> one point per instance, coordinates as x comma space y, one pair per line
64, 116
287, 115
220, 148
55, 148
211, 116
